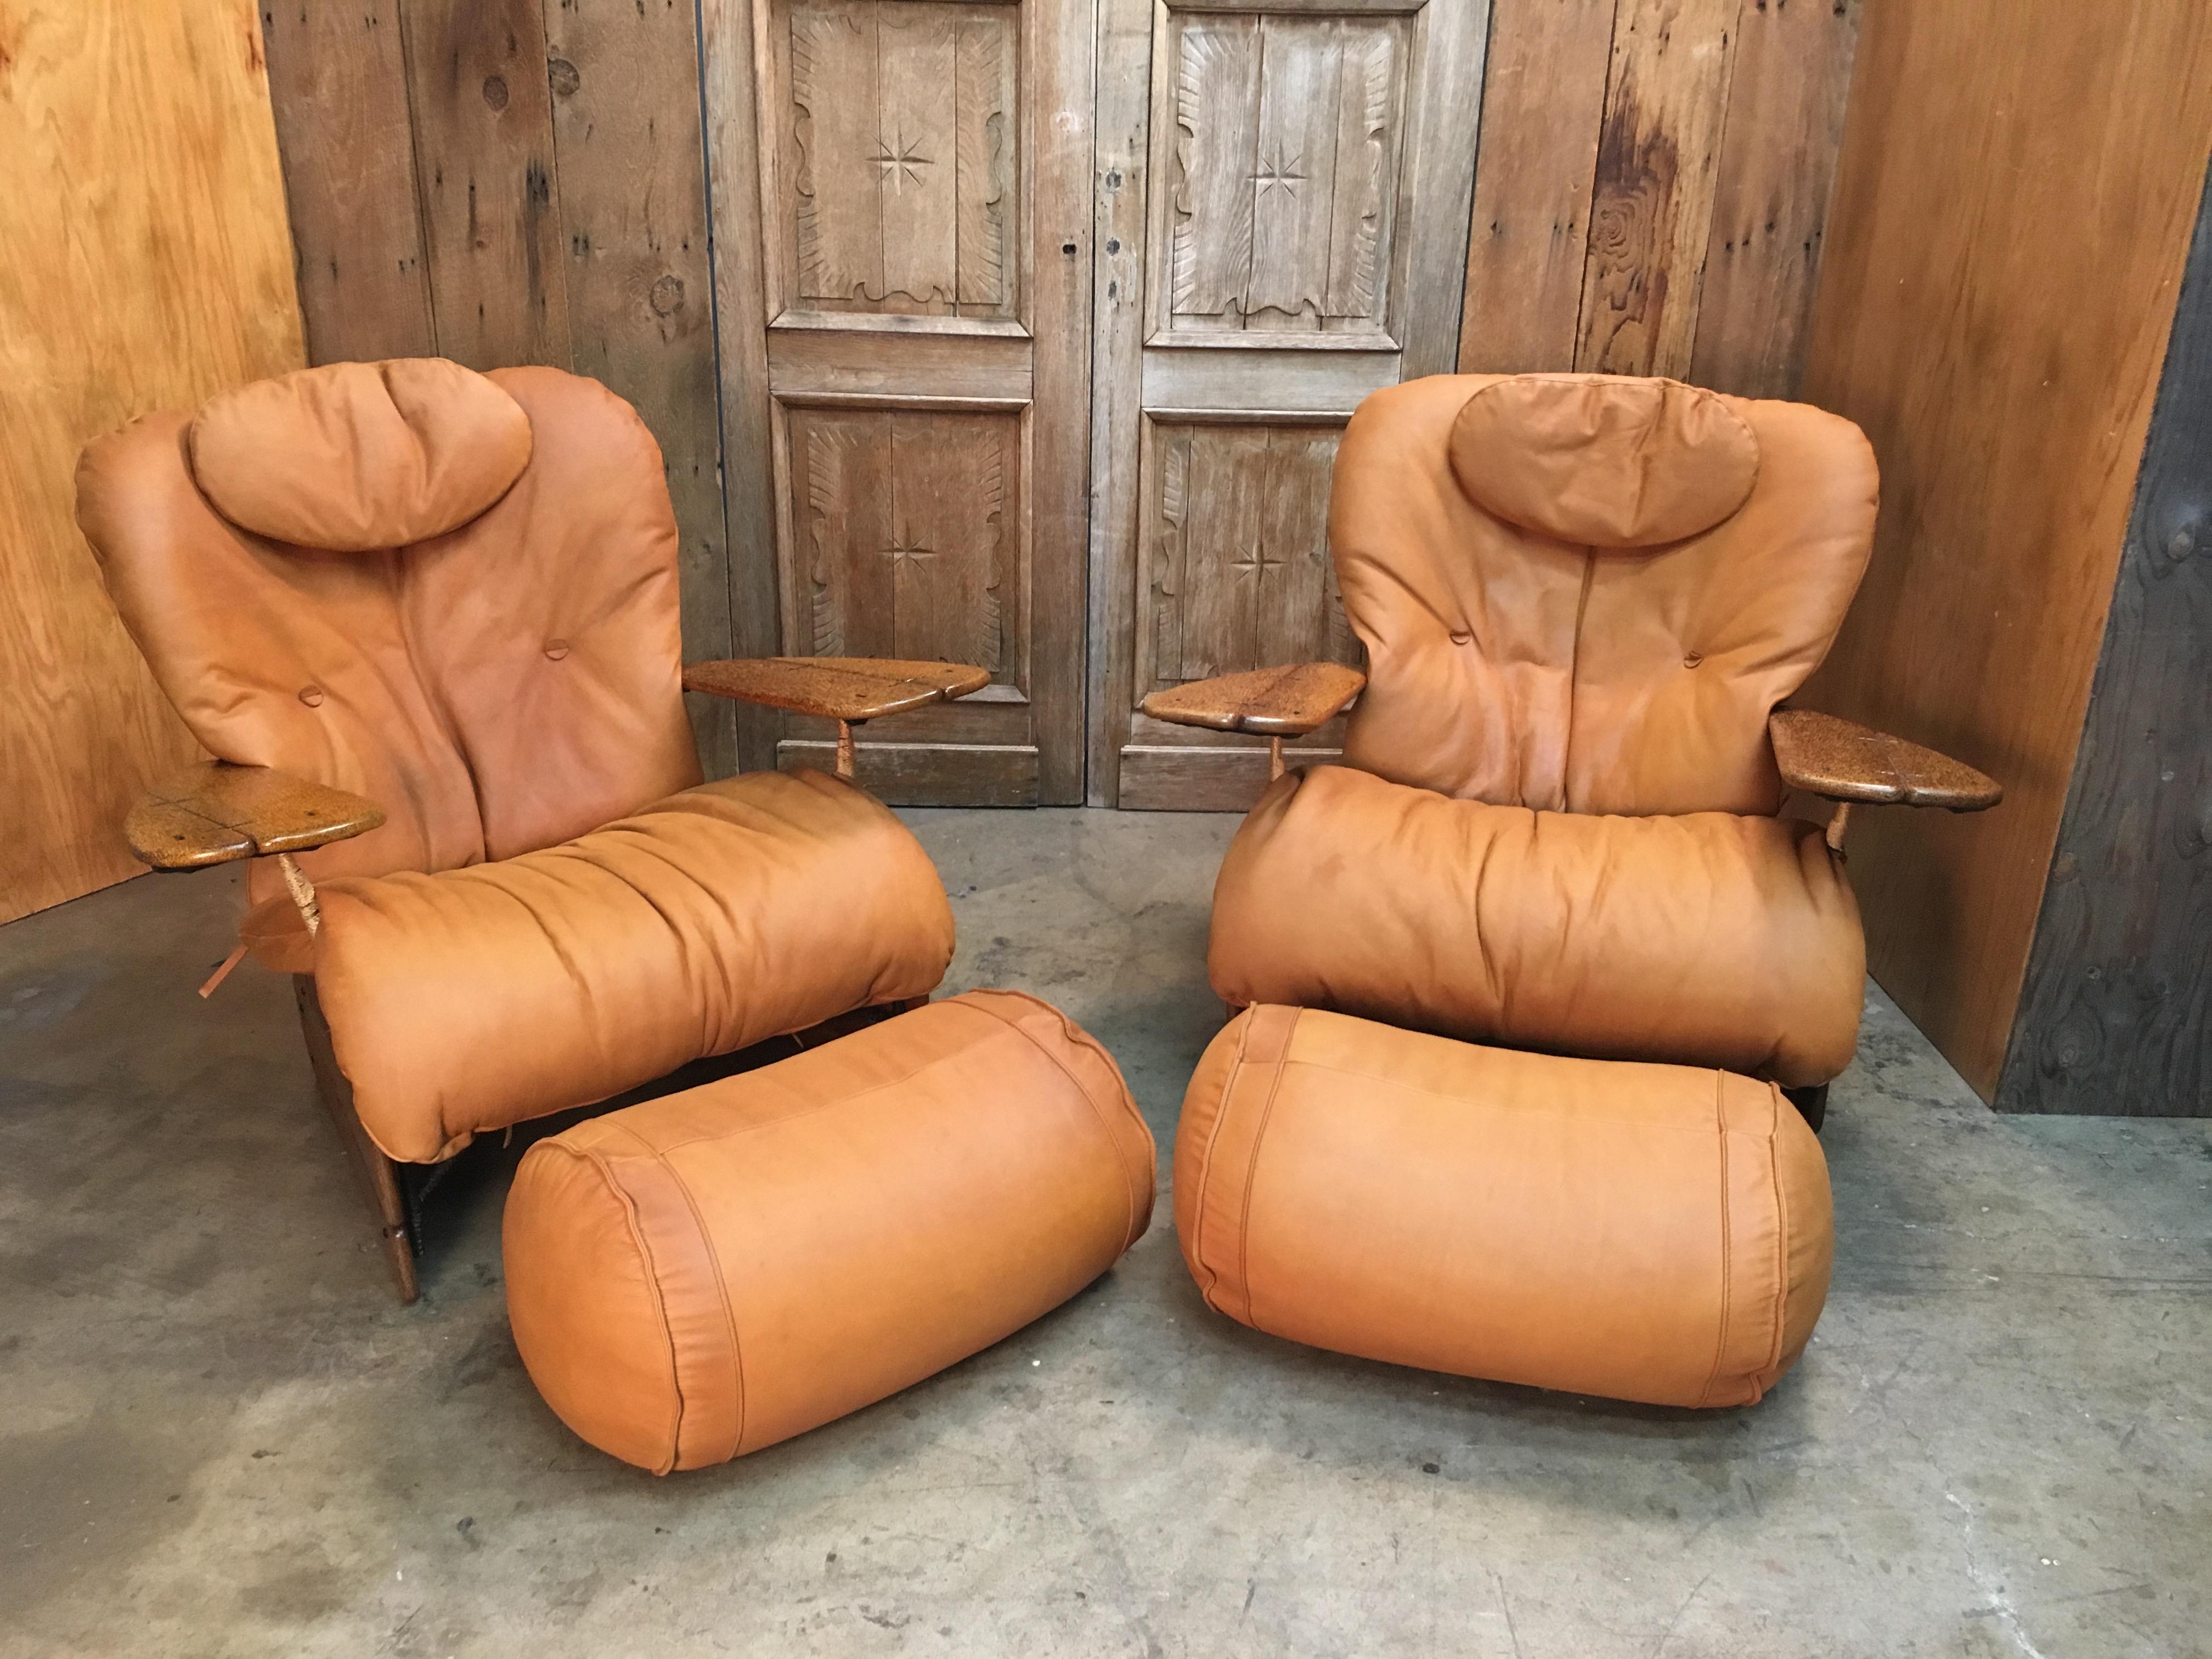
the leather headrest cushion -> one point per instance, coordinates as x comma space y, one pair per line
353, 457
1604, 461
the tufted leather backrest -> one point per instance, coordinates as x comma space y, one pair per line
454, 593
1586, 592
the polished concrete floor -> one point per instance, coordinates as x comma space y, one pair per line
218, 1434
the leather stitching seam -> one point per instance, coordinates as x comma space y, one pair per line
599, 1162
1252, 1173
1720, 1339
722, 1297
1205, 1169
1775, 1107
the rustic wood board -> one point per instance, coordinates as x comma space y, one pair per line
1777, 165
338, 80
2117, 998
484, 152
2003, 360
624, 79
1651, 207
166, 104
1543, 104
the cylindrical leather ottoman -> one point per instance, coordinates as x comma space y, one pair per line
1656, 1233
703, 1275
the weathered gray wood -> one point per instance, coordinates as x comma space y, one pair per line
732, 133
632, 170
2115, 1010
338, 87
491, 211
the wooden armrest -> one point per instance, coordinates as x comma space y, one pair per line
1844, 761
216, 812
851, 689
1273, 702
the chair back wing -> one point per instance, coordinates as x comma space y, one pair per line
1586, 592
454, 593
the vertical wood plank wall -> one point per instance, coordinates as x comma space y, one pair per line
519, 181
1652, 187
146, 267
2019, 183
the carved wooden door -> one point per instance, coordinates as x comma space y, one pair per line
901, 211
1282, 199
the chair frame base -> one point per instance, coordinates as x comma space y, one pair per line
395, 1191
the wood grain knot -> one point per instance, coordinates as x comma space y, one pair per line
668, 296
495, 91
561, 75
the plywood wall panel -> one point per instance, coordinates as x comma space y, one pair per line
2018, 186
148, 267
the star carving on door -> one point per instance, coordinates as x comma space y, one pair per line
906, 548
1255, 565
899, 160
1278, 174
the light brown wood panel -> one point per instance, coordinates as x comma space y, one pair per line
337, 78
1785, 124
1651, 207
626, 141
148, 266
2017, 188
484, 152
1543, 104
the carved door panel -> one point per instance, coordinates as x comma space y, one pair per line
903, 282
1282, 199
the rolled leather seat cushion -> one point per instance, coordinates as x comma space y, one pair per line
1709, 937
700, 1276
714, 919
1655, 1233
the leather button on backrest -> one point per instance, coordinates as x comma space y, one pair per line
1463, 636
556, 649
312, 695
1693, 658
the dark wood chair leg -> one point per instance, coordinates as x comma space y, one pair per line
378, 1175
1812, 1103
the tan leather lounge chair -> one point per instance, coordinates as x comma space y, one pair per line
426, 620
1585, 600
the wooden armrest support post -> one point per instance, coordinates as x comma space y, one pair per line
849, 691
217, 813
1271, 703
1849, 764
